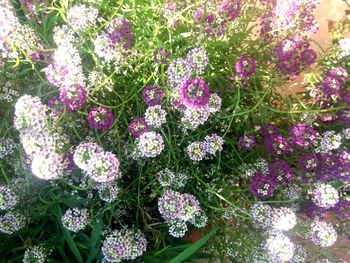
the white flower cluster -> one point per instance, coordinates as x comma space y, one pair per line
329, 141
99, 165
167, 178
66, 68
15, 36
325, 195
323, 234
40, 144
344, 47
12, 222
82, 17
35, 254
274, 221
75, 219
155, 116
149, 144
280, 248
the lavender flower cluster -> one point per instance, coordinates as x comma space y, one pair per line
99, 165
124, 244
200, 150
179, 209
43, 146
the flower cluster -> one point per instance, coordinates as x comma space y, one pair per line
65, 68
199, 150
178, 209
8, 199
75, 219
73, 97
115, 42
325, 196
42, 145
16, 37
12, 222
82, 17
149, 144
169, 179
323, 234
36, 254
124, 244
294, 55
100, 118
99, 165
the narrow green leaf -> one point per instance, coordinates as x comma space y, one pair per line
192, 249
95, 234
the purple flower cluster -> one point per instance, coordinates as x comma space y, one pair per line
75, 219
245, 67
100, 118
215, 17
281, 172
153, 95
73, 97
277, 145
303, 135
262, 186
247, 142
138, 126
119, 32
194, 93
333, 84
294, 54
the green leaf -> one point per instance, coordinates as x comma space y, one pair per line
95, 234
193, 248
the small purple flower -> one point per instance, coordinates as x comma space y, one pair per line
161, 56
231, 9
55, 105
281, 172
137, 126
247, 142
73, 97
170, 204
314, 212
277, 145
119, 32
308, 162
308, 56
339, 74
100, 118
194, 93
342, 209
303, 135
268, 130
245, 67
331, 86
262, 186
153, 95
